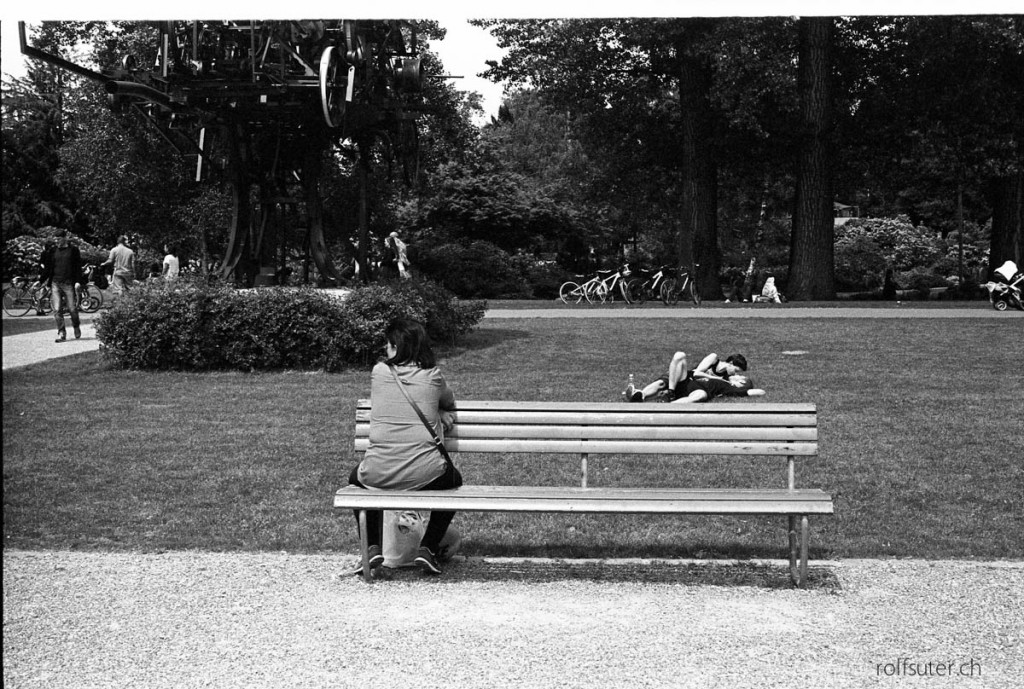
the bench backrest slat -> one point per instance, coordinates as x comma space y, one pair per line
464, 431
651, 408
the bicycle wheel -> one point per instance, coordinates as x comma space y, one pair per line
694, 293
637, 291
669, 293
17, 301
42, 303
570, 293
588, 292
97, 294
91, 299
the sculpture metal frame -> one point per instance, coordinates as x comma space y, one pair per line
275, 97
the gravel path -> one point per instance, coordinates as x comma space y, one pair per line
196, 619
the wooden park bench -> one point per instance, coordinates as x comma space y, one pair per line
584, 429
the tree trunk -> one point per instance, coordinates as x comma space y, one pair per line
811, 258
1007, 221
698, 240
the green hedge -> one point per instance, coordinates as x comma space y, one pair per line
21, 255
191, 326
474, 270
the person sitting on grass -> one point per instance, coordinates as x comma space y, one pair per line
678, 373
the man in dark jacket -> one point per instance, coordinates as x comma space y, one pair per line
65, 270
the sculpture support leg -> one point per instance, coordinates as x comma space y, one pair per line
236, 263
315, 215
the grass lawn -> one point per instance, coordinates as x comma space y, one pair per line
921, 443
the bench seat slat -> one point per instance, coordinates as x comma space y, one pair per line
465, 431
592, 500
619, 447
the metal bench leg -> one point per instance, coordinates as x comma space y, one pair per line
793, 575
364, 545
804, 538
798, 561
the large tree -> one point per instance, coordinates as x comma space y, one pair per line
811, 263
698, 159
938, 122
35, 125
638, 91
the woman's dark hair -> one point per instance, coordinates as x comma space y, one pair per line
412, 344
737, 360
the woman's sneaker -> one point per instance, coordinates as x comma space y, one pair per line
427, 562
375, 557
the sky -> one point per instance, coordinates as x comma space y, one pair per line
466, 48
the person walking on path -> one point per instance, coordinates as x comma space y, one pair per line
123, 260
64, 270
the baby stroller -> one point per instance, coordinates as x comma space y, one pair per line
1005, 291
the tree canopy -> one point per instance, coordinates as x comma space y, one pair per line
669, 140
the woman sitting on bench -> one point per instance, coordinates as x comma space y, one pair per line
402, 454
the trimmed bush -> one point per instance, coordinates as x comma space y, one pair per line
21, 255
187, 325
477, 270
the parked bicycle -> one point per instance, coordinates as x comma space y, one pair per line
24, 296
91, 297
572, 292
647, 284
681, 284
601, 287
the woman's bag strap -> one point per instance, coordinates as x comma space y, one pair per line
433, 434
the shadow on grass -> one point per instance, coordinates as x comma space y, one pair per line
764, 575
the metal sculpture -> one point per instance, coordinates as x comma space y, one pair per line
273, 97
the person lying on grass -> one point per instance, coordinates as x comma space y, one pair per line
711, 378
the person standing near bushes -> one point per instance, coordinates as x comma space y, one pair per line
402, 454
64, 269
389, 259
171, 264
123, 260
401, 256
